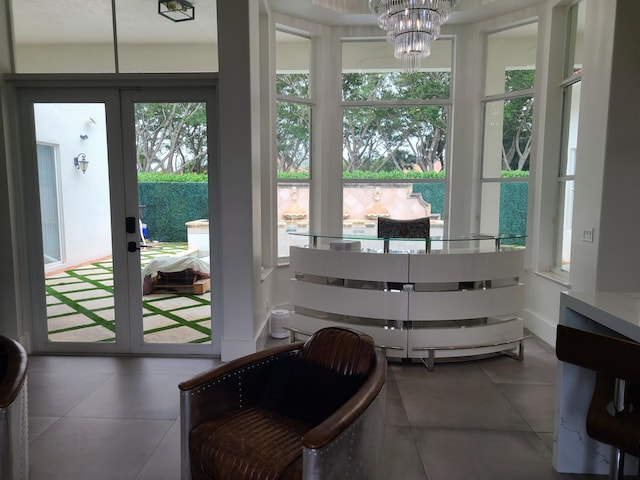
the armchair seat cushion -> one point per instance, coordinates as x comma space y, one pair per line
249, 444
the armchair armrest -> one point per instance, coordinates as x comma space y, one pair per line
354, 431
14, 373
14, 442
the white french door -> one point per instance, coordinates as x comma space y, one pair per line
84, 148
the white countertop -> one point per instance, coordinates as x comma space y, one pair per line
619, 311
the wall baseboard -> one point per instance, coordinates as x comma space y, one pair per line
541, 327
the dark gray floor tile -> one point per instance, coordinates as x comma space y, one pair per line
534, 344
169, 365
133, 396
536, 403
461, 396
72, 363
547, 439
38, 425
394, 409
536, 368
452, 454
54, 394
164, 464
96, 449
399, 458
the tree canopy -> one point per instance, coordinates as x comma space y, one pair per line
171, 137
404, 131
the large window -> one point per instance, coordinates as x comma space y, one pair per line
293, 161
508, 119
395, 135
571, 86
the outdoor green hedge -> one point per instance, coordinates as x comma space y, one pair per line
168, 206
432, 193
513, 210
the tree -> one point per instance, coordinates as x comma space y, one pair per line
402, 137
293, 123
171, 137
517, 121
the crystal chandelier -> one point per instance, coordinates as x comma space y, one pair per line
411, 26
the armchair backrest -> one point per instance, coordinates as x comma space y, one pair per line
341, 350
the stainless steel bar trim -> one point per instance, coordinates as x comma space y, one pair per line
468, 347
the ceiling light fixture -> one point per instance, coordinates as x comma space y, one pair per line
177, 10
411, 26
81, 162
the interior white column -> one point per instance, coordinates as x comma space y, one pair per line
238, 224
618, 258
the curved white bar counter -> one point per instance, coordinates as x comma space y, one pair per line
432, 306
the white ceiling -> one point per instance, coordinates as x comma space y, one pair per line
356, 12
89, 21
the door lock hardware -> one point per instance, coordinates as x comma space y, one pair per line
130, 224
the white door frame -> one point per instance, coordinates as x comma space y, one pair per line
114, 91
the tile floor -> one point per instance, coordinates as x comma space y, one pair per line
117, 418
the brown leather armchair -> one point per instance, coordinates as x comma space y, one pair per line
312, 410
13, 410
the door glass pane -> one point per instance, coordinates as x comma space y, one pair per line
49, 204
566, 198
74, 196
172, 155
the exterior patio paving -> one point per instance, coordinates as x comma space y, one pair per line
80, 306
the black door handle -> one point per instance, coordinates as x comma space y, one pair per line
132, 246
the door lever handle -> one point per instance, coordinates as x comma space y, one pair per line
132, 246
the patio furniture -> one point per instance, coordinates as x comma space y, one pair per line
390, 228
311, 410
176, 275
13, 411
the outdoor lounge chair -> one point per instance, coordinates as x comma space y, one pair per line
310, 411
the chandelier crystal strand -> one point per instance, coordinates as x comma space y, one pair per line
411, 26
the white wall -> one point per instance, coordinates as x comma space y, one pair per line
84, 198
99, 58
618, 259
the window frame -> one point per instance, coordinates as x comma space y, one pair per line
446, 103
571, 78
487, 99
309, 101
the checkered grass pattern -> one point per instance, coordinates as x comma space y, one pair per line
80, 306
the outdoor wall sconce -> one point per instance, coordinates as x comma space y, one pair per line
81, 162
177, 10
